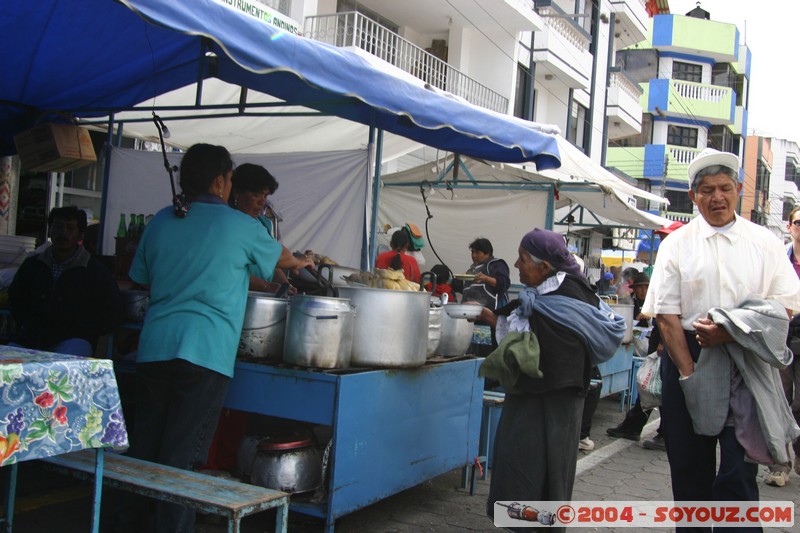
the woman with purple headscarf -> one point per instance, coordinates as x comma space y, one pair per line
559, 328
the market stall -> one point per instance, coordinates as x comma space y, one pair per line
391, 429
142, 49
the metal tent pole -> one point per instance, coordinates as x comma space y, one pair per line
551, 208
376, 194
106, 177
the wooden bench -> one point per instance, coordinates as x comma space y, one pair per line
223, 497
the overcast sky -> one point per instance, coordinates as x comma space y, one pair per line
770, 29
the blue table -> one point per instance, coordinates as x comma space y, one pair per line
54, 404
616, 372
392, 428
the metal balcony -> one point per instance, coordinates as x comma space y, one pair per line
352, 29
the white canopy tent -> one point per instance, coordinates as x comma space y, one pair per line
503, 201
275, 128
321, 196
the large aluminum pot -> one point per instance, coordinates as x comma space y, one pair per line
263, 328
434, 328
626, 311
456, 336
391, 327
287, 466
319, 331
135, 304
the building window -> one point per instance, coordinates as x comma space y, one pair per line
788, 205
679, 202
523, 95
687, 71
720, 138
579, 126
791, 172
682, 136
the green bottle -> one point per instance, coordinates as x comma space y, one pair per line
122, 232
139, 224
132, 227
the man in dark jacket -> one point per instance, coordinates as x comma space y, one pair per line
63, 298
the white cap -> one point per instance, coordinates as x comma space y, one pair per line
710, 157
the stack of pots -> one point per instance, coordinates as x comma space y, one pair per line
364, 327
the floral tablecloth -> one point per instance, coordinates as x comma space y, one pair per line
54, 403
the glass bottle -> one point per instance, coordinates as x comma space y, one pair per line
121, 229
132, 227
140, 224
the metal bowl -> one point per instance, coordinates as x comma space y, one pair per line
470, 311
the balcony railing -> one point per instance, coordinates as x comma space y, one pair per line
558, 21
354, 29
626, 85
699, 91
682, 156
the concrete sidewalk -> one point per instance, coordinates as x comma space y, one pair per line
616, 470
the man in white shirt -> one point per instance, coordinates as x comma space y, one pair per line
717, 260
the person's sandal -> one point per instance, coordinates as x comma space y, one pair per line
777, 479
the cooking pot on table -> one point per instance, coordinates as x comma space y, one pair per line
319, 331
456, 336
264, 326
135, 304
434, 328
391, 328
286, 463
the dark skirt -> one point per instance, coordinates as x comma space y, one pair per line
536, 448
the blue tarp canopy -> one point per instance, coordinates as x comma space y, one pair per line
89, 58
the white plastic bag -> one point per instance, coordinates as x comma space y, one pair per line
641, 340
648, 380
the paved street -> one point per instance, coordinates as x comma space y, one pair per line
615, 470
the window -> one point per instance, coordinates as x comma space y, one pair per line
679, 202
639, 65
523, 94
788, 205
791, 172
720, 138
682, 136
579, 126
687, 71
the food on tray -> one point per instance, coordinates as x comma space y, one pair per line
382, 279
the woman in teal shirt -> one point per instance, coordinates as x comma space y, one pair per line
196, 259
